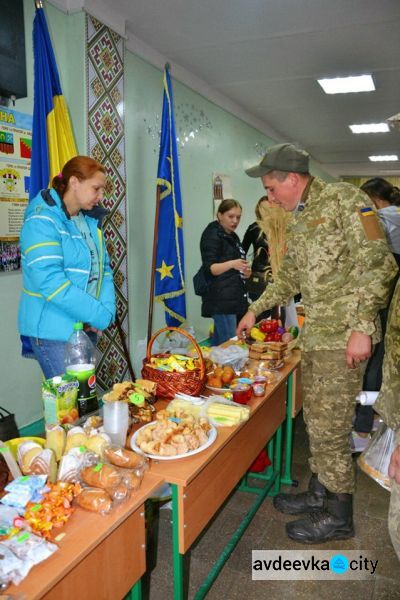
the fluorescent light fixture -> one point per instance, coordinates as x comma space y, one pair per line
370, 128
346, 85
383, 157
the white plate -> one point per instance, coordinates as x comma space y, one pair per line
222, 390
212, 436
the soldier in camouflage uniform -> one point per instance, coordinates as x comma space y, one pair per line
388, 406
338, 258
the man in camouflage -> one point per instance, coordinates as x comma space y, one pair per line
388, 406
338, 258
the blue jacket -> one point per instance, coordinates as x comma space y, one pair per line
56, 263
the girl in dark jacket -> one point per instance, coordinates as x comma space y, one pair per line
224, 262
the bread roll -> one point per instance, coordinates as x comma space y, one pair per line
95, 500
101, 476
120, 457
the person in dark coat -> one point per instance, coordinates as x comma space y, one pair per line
225, 266
255, 237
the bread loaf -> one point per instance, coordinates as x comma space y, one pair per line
101, 476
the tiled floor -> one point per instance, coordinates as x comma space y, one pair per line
266, 531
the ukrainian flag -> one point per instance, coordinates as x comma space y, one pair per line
53, 142
170, 267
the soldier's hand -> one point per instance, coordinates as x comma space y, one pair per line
394, 466
359, 348
245, 324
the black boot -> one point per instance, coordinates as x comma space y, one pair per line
304, 502
334, 523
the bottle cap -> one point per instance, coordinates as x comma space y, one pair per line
78, 325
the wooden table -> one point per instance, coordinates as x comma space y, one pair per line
100, 557
201, 483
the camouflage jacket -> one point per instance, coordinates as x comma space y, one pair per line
388, 403
338, 258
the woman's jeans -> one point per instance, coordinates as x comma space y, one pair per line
50, 355
224, 328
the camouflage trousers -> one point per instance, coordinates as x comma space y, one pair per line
329, 398
394, 512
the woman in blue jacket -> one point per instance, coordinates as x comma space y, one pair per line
65, 265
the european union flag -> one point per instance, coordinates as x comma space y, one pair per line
170, 264
53, 142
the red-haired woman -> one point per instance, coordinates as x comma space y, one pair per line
65, 265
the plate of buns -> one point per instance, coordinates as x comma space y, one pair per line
169, 438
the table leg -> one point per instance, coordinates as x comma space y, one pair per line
177, 558
287, 474
278, 460
136, 592
233, 542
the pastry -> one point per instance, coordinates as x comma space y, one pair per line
98, 443
44, 464
26, 453
69, 468
55, 439
75, 437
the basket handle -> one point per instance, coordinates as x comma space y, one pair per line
189, 337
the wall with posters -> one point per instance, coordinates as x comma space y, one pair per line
15, 159
20, 389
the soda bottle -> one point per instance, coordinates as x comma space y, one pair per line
80, 362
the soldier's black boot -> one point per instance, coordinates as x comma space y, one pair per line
304, 502
333, 523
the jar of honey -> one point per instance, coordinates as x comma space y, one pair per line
241, 393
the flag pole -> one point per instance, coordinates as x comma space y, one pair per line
153, 266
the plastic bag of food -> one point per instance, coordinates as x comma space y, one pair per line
375, 459
235, 356
95, 500
127, 459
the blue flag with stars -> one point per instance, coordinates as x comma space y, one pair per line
170, 264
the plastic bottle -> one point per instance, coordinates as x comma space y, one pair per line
80, 362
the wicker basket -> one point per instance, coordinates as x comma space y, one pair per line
169, 383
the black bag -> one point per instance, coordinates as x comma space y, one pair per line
8, 426
201, 282
257, 282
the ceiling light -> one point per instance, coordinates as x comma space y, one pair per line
346, 85
383, 157
370, 128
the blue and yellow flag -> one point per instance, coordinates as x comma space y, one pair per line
170, 265
53, 142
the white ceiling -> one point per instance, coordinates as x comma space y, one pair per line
261, 59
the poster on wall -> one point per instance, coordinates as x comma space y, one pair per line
222, 189
15, 165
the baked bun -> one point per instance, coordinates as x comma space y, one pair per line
94, 500
120, 457
101, 476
